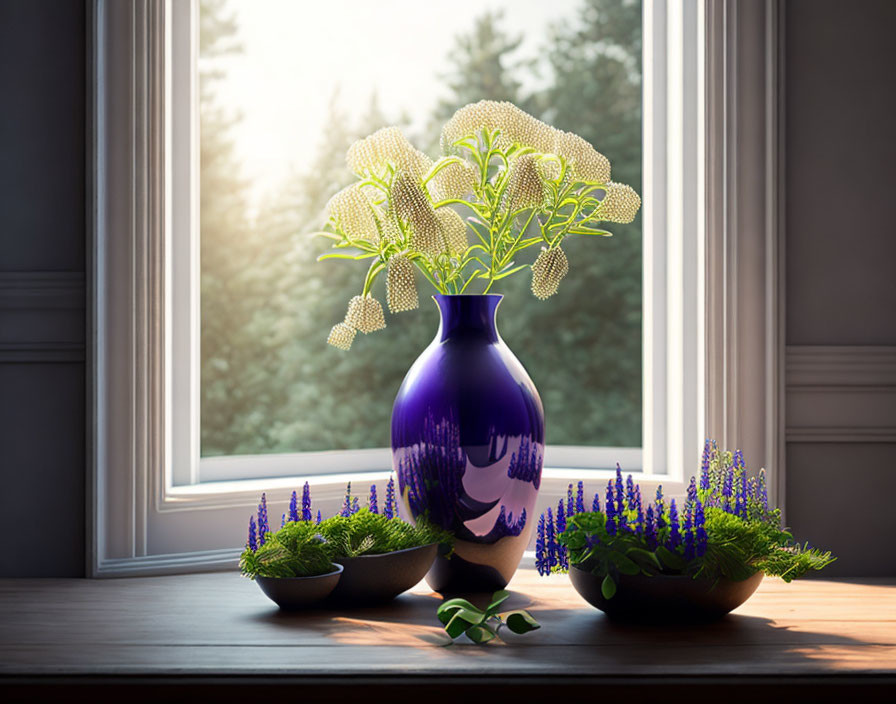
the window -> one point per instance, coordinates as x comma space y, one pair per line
276, 116
210, 323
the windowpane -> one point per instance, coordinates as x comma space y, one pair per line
285, 88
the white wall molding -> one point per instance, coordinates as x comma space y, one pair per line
42, 316
841, 394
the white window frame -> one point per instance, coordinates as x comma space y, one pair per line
151, 514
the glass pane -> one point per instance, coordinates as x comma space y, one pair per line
286, 87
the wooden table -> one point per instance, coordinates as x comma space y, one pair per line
219, 633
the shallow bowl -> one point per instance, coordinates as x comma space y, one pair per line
373, 579
665, 598
300, 592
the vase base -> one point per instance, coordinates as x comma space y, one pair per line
456, 575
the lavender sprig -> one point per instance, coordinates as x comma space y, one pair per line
371, 500
252, 543
294, 507
306, 502
389, 509
263, 527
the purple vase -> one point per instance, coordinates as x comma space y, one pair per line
468, 445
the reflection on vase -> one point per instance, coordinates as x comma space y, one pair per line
468, 445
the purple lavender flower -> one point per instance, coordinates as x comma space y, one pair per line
252, 543
550, 541
630, 492
688, 533
660, 510
540, 561
700, 524
704, 466
388, 510
738, 460
728, 488
371, 501
347, 501
639, 526
282, 520
763, 490
263, 527
637, 497
611, 511
306, 502
318, 516
622, 520
741, 507
570, 506
580, 498
674, 529
595, 505
562, 556
692, 491
650, 528
355, 506
294, 507
620, 491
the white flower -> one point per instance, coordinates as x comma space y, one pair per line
353, 214
585, 162
365, 314
620, 203
341, 336
401, 286
548, 270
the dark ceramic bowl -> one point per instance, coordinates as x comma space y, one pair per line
299, 592
374, 579
665, 598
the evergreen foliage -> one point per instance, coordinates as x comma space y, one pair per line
305, 548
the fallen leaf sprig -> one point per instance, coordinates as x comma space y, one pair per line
460, 617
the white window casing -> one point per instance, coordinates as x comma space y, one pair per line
155, 507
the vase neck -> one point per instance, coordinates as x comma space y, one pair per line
468, 316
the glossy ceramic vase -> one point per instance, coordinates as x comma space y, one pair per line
468, 446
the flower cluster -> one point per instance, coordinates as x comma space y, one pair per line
722, 526
506, 181
260, 531
625, 514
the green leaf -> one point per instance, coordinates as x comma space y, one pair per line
457, 602
511, 271
462, 620
498, 598
340, 255
608, 587
480, 634
624, 564
669, 558
580, 231
644, 557
520, 621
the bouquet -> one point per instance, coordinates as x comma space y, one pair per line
505, 182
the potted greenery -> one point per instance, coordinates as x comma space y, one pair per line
642, 560
361, 555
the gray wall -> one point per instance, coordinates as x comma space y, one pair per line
841, 288
42, 243
841, 279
